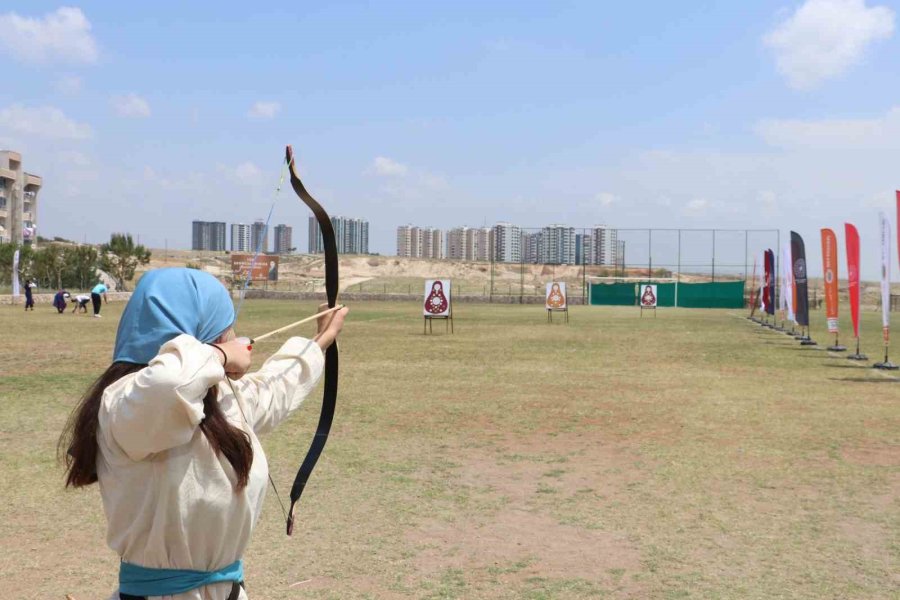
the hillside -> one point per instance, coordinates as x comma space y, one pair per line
391, 274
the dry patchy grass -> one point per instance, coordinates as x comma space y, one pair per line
694, 455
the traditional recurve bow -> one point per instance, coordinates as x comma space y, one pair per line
329, 398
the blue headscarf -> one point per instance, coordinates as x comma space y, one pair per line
167, 303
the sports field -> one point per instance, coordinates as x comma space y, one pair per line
694, 455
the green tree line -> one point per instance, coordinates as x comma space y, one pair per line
57, 266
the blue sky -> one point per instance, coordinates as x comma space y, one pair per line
144, 116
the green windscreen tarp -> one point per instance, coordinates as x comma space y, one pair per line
720, 294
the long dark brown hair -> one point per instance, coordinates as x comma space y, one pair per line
78, 448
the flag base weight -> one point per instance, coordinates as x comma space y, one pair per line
807, 342
857, 356
837, 348
886, 365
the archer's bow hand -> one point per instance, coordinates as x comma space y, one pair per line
330, 326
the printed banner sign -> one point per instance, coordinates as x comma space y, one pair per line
265, 268
798, 254
830, 271
788, 274
885, 276
556, 296
648, 295
770, 282
437, 298
852, 241
753, 289
15, 275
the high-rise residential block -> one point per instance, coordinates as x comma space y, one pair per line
404, 240
432, 243
18, 200
420, 242
240, 238
603, 247
558, 245
208, 235
351, 235
282, 239
259, 237
508, 243
531, 247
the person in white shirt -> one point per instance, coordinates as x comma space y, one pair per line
170, 433
80, 301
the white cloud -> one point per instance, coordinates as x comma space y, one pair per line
607, 199
264, 110
767, 202
45, 121
386, 167
69, 85
875, 133
248, 173
824, 38
72, 158
696, 207
882, 200
130, 105
61, 36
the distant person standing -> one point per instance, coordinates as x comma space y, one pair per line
99, 289
29, 294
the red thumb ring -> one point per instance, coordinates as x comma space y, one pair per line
249, 347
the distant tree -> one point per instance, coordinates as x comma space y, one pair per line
121, 257
81, 267
49, 265
6, 260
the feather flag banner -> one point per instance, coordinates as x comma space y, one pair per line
830, 271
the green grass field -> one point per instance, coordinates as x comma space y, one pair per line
694, 455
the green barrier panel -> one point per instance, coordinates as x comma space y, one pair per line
721, 294
612, 294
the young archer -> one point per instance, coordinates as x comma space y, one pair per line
169, 431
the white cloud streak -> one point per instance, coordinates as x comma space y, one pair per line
130, 106
881, 132
822, 39
386, 167
44, 121
63, 36
264, 110
70, 85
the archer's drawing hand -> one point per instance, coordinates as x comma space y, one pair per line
329, 326
238, 356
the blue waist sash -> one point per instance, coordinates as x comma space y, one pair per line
146, 581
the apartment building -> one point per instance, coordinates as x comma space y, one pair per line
420, 242
208, 235
18, 200
351, 235
603, 246
240, 238
259, 237
557, 245
507, 243
282, 239
484, 243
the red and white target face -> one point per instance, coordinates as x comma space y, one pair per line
437, 301
556, 295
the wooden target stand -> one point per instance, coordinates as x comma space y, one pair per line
643, 308
565, 311
429, 320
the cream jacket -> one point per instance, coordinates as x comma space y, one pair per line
169, 499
